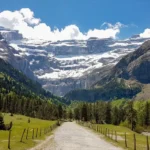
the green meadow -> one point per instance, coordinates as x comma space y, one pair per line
20, 123
141, 141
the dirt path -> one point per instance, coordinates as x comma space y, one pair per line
71, 136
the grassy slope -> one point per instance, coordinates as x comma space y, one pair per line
19, 123
141, 139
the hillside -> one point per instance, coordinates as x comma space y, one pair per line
20, 123
13, 80
129, 78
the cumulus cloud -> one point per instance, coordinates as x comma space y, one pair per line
145, 34
30, 27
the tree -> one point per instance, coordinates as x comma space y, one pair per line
147, 114
108, 113
115, 116
131, 115
77, 113
60, 111
2, 126
70, 115
84, 115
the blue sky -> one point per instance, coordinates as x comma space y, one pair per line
87, 14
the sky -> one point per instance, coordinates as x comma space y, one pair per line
76, 19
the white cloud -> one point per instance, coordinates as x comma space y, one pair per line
31, 27
145, 34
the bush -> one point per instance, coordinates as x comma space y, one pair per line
29, 120
125, 124
139, 129
8, 126
11, 114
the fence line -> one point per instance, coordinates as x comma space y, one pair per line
25, 133
111, 134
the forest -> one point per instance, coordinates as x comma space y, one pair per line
132, 114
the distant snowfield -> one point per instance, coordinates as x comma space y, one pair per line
70, 66
90, 62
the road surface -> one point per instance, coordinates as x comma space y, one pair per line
71, 136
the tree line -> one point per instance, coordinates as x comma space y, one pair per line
131, 114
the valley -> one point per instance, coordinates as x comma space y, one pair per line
74, 75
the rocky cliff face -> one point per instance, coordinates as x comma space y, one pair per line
129, 78
63, 66
135, 65
10, 35
12, 56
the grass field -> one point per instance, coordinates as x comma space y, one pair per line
141, 142
19, 124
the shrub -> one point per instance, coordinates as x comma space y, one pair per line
8, 126
29, 120
139, 129
125, 124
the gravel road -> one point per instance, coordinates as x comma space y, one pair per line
71, 136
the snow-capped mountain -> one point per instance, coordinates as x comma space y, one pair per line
63, 66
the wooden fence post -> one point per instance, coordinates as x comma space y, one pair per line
147, 142
40, 131
9, 139
125, 136
33, 134
134, 137
112, 133
27, 134
22, 135
115, 136
36, 132
44, 131
106, 132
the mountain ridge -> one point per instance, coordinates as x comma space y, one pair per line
64, 66
129, 78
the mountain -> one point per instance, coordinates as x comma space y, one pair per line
129, 78
63, 66
12, 80
11, 55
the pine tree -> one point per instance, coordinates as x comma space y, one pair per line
131, 115
108, 113
60, 111
77, 114
70, 115
147, 114
115, 116
1, 122
84, 112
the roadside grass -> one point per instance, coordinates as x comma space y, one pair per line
141, 142
20, 123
